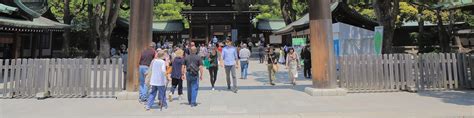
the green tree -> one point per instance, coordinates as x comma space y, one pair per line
69, 11
164, 10
105, 15
271, 9
170, 10
387, 12
287, 11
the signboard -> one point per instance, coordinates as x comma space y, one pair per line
298, 41
336, 48
275, 39
234, 35
378, 39
185, 36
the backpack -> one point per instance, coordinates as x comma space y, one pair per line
193, 69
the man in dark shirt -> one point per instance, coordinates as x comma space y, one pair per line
261, 53
124, 56
306, 56
145, 59
193, 69
271, 60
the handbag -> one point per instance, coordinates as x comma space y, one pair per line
275, 66
148, 75
206, 63
169, 69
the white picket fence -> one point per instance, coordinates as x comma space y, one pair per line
399, 72
24, 78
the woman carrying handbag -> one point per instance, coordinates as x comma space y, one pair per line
272, 65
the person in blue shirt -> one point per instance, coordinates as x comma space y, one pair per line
230, 63
214, 40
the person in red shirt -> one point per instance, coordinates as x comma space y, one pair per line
219, 48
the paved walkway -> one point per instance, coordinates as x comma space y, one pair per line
255, 99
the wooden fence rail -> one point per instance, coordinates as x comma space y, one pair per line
24, 78
396, 72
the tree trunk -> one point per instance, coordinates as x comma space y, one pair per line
453, 35
104, 47
93, 35
105, 19
287, 11
421, 30
67, 32
443, 40
386, 12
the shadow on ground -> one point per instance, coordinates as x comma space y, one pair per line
299, 88
281, 76
453, 97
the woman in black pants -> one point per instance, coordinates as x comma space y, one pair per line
176, 74
213, 59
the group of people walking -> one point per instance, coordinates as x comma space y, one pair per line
160, 67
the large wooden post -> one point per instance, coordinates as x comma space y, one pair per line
322, 53
140, 35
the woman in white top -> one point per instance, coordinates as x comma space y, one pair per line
158, 80
292, 65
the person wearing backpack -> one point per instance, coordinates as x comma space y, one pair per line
194, 70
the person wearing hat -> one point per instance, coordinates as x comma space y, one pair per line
177, 74
230, 62
158, 81
146, 57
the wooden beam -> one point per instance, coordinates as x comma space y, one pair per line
323, 64
140, 34
17, 45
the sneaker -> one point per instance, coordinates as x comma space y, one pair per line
170, 97
193, 105
273, 84
147, 108
144, 102
180, 97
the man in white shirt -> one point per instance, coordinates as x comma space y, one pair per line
244, 55
158, 81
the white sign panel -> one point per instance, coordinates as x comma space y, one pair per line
275, 39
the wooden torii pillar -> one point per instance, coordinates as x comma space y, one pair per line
322, 51
140, 35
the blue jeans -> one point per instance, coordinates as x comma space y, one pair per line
161, 96
193, 86
142, 88
244, 67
